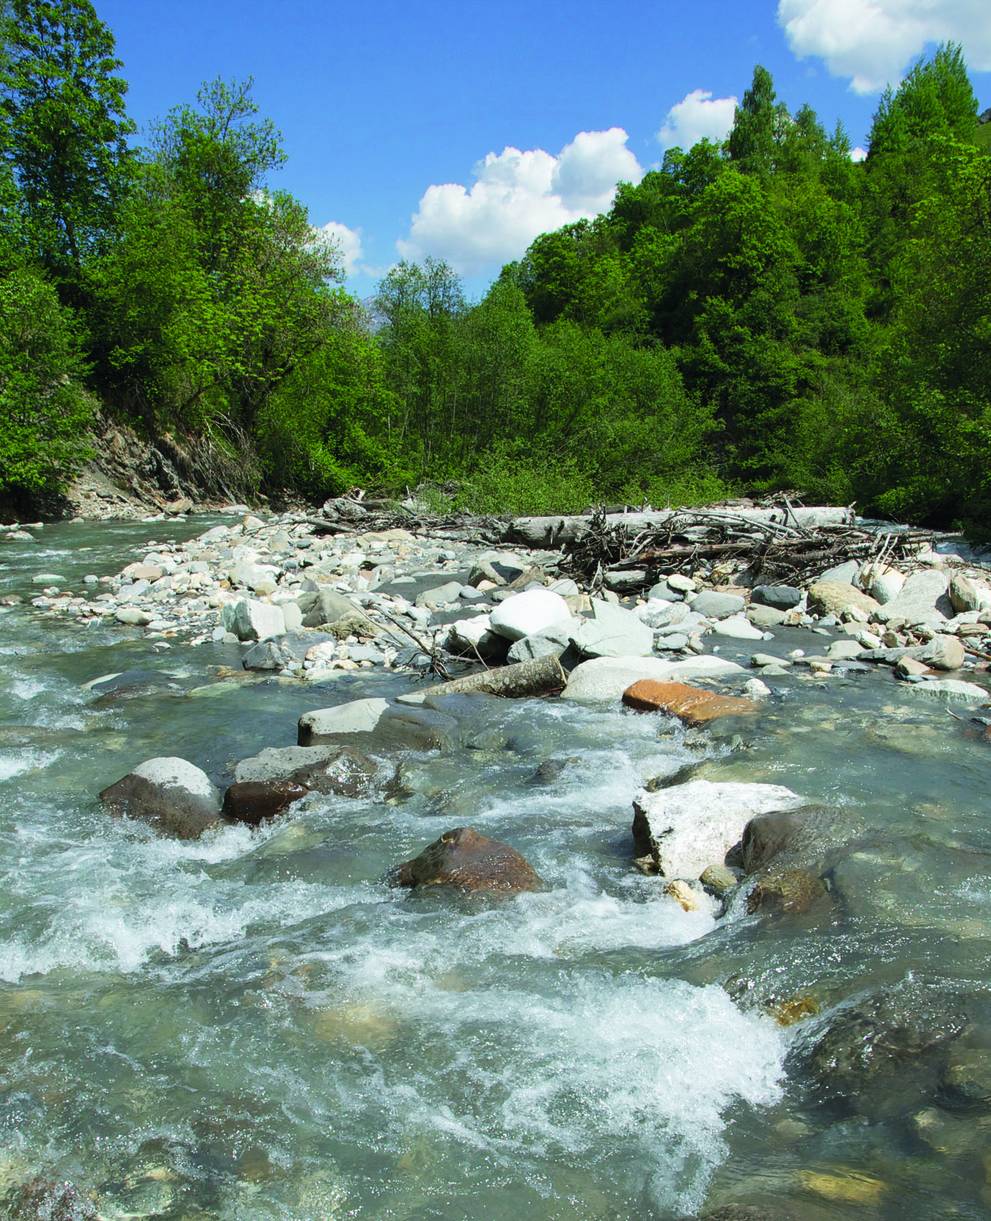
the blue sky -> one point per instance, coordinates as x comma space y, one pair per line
397, 117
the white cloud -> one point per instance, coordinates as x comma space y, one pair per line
872, 41
858, 154
517, 195
696, 117
346, 241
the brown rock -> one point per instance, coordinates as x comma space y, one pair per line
837, 598
693, 705
252, 801
790, 890
468, 861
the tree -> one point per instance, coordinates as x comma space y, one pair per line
66, 129
752, 141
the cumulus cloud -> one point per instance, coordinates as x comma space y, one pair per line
696, 117
872, 41
517, 195
346, 241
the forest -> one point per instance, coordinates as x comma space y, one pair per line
760, 315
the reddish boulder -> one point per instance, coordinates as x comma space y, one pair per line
470, 862
693, 705
252, 801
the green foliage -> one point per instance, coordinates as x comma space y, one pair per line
64, 127
43, 409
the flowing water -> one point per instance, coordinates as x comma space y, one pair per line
257, 1026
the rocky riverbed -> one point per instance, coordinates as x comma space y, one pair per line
698, 923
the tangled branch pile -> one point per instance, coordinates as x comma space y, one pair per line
752, 551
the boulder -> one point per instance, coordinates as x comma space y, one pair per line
715, 605
551, 642
340, 770
324, 606
951, 689
838, 598
417, 728
529, 613
687, 827
440, 595
613, 632
606, 678
737, 627
471, 637
881, 581
781, 597
268, 655
942, 653
327, 725
771, 835
252, 620
787, 890
922, 599
172, 794
253, 801
693, 705
467, 861
765, 616
968, 595
133, 617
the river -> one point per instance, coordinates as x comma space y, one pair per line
256, 1026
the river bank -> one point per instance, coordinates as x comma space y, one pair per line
279, 1032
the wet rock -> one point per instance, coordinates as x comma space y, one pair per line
952, 690
837, 598
966, 1081
326, 725
281, 762
693, 705
844, 1186
787, 890
781, 597
172, 794
529, 613
910, 667
613, 632
268, 655
46, 1201
719, 880
688, 827
771, 835
417, 728
551, 770
465, 860
254, 801
756, 689
606, 678
880, 1039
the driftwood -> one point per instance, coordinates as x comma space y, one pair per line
770, 546
541, 676
555, 532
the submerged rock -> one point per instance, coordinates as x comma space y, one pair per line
471, 862
45, 1201
172, 794
786, 890
693, 705
253, 801
686, 828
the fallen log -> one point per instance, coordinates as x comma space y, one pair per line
541, 676
553, 532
